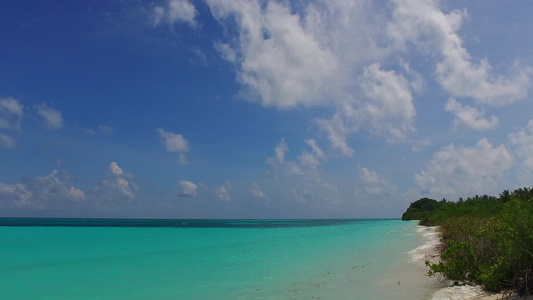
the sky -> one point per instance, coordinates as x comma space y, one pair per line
261, 108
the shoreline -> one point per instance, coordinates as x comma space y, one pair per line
463, 292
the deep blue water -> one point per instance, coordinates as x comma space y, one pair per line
183, 223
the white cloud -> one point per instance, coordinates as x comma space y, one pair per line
465, 171
307, 161
369, 176
175, 143
119, 191
115, 169
7, 142
387, 110
417, 82
373, 182
280, 62
300, 181
522, 141
420, 145
187, 189
314, 158
224, 192
11, 113
54, 191
425, 24
51, 187
75, 193
280, 150
256, 192
17, 195
175, 11
337, 133
226, 52
391, 111
51, 117
470, 117
325, 53
114, 186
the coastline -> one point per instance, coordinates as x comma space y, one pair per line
464, 292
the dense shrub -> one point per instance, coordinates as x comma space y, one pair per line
484, 240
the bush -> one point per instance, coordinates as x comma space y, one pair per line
496, 252
458, 262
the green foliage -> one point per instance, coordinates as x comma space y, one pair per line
458, 262
417, 209
484, 240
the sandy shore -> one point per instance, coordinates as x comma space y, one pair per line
468, 292
502, 297
465, 292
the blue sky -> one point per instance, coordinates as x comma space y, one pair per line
261, 109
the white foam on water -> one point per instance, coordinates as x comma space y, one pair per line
458, 293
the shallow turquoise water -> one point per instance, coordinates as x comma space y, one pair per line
309, 262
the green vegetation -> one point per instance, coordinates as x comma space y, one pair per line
484, 240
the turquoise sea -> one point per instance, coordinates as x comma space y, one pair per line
210, 259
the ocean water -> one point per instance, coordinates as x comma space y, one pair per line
184, 259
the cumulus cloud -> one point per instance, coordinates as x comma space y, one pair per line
11, 113
115, 186
224, 192
226, 52
51, 117
54, 191
470, 117
175, 143
256, 191
373, 182
465, 170
118, 191
391, 110
522, 141
307, 161
314, 158
187, 189
7, 142
115, 169
14, 195
325, 53
280, 150
337, 132
280, 63
425, 24
175, 11
387, 110
300, 181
